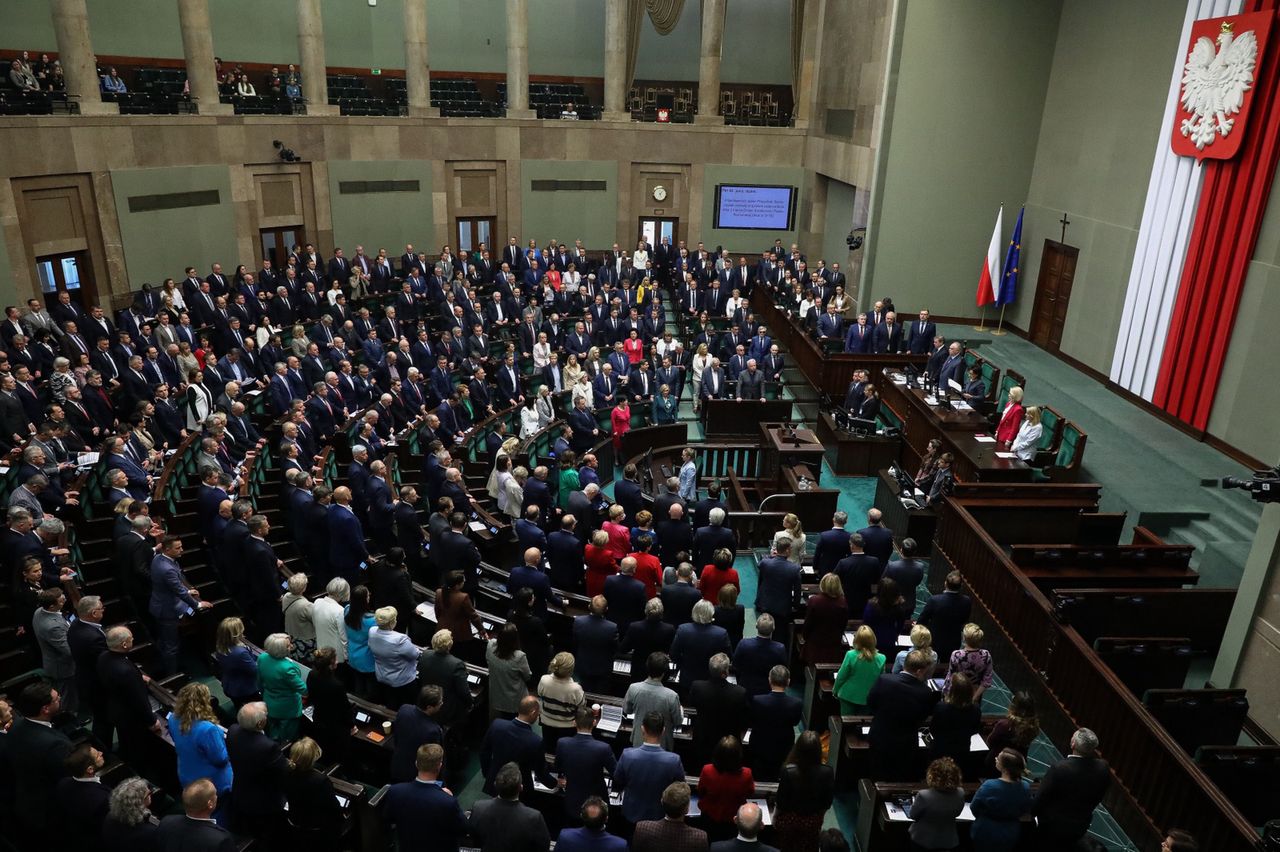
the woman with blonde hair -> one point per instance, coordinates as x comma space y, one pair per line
60, 379
198, 740
921, 640
313, 807
395, 658
560, 696
237, 668
298, 622
572, 369
592, 364
791, 530
599, 561
973, 661
1011, 417
826, 617
1025, 444
581, 389
701, 361
543, 407
513, 488
619, 533
282, 687
858, 673
298, 341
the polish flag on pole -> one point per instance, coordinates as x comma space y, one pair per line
991, 268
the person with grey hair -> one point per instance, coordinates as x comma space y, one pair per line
326, 617
756, 655
128, 825
27, 495
833, 545
1069, 793
696, 643
680, 597
282, 687
721, 706
299, 621
128, 701
88, 641
259, 770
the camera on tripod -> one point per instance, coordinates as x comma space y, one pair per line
1264, 486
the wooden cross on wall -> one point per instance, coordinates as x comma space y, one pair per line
1064, 222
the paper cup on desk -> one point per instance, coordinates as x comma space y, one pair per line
386, 729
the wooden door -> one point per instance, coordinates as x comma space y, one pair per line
1053, 294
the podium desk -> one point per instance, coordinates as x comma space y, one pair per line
855, 455
920, 524
781, 450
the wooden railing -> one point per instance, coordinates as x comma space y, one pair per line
1160, 785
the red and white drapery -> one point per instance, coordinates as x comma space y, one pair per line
1199, 228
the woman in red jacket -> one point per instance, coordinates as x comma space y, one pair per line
600, 563
620, 420
718, 574
724, 786
1011, 418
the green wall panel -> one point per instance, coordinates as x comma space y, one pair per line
841, 199
589, 215
8, 290
381, 219
739, 241
160, 244
962, 140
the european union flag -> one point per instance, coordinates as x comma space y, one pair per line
1009, 280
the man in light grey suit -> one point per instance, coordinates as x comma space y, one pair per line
50, 629
652, 695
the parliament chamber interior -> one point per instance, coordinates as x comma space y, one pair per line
607, 424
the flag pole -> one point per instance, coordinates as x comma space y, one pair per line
982, 320
999, 329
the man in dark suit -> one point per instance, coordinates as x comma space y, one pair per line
877, 539
946, 615
35, 753
899, 704
627, 493
938, 352
721, 706
679, 598
528, 533
778, 586
259, 769
582, 760
715, 536
1069, 792
626, 595
503, 823
908, 571
564, 555
696, 643
649, 635
830, 324
426, 816
888, 336
81, 798
675, 536
756, 656
595, 640
952, 368
858, 573
751, 382
774, 717
920, 337
128, 701
750, 821
88, 641
591, 836
347, 549
833, 545
702, 509
195, 830
513, 740
584, 427
415, 726
670, 834
456, 551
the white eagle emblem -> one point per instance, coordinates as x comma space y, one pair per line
1213, 84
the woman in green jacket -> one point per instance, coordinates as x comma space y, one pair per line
282, 687
858, 673
569, 482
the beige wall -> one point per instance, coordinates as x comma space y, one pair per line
432, 151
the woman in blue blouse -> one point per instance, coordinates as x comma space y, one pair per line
664, 407
359, 621
1000, 804
199, 741
237, 665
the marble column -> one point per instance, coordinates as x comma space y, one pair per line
197, 50
315, 88
709, 64
75, 52
417, 69
806, 88
615, 61
518, 59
